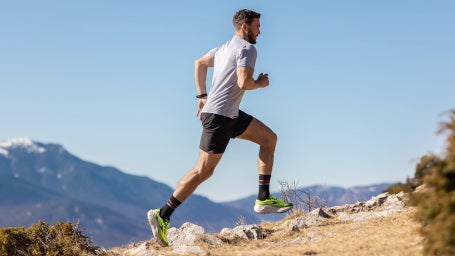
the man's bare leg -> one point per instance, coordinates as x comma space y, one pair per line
159, 218
202, 171
262, 135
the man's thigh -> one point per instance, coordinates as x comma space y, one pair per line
257, 132
215, 133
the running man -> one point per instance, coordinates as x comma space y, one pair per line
233, 64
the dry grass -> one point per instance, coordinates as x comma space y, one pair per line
393, 235
396, 234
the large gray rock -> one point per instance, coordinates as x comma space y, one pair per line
321, 213
184, 238
247, 232
305, 221
187, 234
137, 250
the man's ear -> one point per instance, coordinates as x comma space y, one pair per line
245, 27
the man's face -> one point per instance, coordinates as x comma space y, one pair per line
253, 30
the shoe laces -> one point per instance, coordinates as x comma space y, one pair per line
166, 224
276, 199
273, 198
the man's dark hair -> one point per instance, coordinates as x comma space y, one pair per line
244, 16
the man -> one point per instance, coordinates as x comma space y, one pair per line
222, 120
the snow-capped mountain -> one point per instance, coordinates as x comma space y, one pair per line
23, 142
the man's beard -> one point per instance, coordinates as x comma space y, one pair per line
251, 37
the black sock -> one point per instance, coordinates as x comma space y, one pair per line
264, 181
167, 210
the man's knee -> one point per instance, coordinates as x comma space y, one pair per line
271, 140
206, 165
204, 172
268, 140
274, 138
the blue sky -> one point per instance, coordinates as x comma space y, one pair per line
357, 88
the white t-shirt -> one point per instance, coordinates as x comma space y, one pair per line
225, 95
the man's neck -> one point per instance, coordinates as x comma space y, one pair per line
242, 35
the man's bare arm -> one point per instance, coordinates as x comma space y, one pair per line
200, 72
246, 81
201, 66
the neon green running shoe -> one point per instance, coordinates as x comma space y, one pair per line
272, 205
159, 226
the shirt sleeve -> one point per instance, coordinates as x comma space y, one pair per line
247, 57
213, 52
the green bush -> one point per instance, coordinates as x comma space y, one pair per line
43, 239
436, 202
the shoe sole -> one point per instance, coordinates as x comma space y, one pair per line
262, 209
154, 226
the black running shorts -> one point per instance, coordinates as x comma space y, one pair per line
218, 130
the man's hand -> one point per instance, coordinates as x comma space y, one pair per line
200, 105
263, 80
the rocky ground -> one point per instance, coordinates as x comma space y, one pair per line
381, 226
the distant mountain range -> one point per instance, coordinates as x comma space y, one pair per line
319, 195
40, 181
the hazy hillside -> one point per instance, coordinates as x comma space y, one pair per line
45, 182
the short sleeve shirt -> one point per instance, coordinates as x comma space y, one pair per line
225, 95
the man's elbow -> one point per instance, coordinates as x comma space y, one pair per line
204, 62
197, 63
243, 85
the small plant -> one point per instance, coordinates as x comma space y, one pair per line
301, 198
43, 239
240, 221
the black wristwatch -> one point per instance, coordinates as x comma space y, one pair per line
201, 95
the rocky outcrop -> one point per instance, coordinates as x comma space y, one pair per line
378, 206
191, 238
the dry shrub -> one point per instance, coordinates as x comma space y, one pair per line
436, 203
302, 199
43, 239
